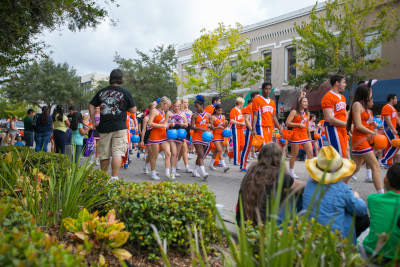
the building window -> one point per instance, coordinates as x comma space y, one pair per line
290, 63
268, 70
233, 74
376, 51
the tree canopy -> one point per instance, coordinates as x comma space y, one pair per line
220, 62
149, 76
343, 38
45, 82
23, 20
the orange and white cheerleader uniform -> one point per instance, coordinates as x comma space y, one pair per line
217, 133
336, 135
359, 140
265, 108
237, 134
177, 119
300, 135
158, 135
200, 122
390, 152
248, 138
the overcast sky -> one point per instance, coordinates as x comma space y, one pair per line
147, 24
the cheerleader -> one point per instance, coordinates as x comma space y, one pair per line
200, 124
218, 124
158, 136
177, 119
185, 146
313, 130
363, 130
144, 138
299, 120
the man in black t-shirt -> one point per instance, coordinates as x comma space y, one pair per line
114, 101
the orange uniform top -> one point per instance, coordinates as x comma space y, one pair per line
209, 109
265, 109
200, 122
236, 114
158, 133
219, 121
249, 110
337, 102
300, 133
391, 112
367, 121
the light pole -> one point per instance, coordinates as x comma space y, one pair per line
277, 92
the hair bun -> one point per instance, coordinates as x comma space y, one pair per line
201, 98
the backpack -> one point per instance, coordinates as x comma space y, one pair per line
34, 121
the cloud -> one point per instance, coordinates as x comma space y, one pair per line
144, 25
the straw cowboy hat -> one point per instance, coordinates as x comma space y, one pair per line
332, 163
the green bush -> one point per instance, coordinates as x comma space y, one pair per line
43, 161
22, 243
51, 195
170, 206
15, 217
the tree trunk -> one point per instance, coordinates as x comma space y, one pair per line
351, 85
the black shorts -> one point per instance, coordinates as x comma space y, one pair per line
188, 134
146, 137
312, 135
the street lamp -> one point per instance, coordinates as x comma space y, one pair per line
277, 92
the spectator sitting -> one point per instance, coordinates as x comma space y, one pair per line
18, 143
259, 185
337, 202
384, 210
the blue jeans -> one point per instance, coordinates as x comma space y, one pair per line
78, 150
42, 140
59, 141
28, 138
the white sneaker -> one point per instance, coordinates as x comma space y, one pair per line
294, 175
189, 157
205, 176
145, 170
172, 176
227, 168
177, 175
212, 168
178, 167
189, 170
155, 177
113, 179
354, 177
97, 162
368, 180
195, 174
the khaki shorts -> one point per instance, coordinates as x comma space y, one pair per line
113, 144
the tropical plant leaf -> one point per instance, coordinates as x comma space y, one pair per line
81, 235
83, 216
111, 217
70, 225
119, 239
121, 254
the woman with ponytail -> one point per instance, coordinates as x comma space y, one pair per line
60, 127
158, 136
